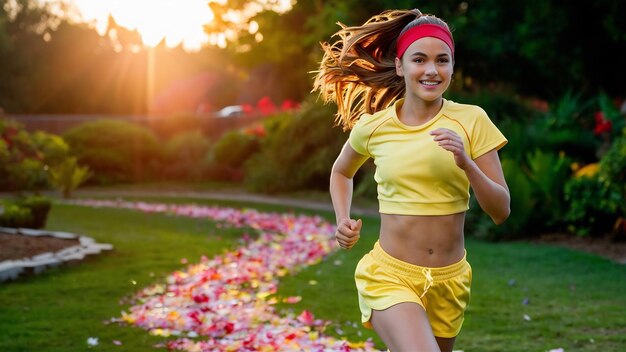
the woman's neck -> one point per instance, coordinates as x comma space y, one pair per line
417, 111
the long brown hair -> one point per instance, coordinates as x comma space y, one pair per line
358, 70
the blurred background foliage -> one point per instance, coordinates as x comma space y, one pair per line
542, 49
548, 73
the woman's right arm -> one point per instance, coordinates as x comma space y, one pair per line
341, 186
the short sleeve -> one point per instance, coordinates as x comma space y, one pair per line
485, 135
359, 136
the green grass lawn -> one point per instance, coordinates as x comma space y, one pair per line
576, 301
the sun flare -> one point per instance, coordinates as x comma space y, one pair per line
175, 21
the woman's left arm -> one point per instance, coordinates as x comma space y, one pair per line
484, 173
487, 181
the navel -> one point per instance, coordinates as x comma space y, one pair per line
431, 251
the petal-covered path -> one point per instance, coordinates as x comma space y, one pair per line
227, 303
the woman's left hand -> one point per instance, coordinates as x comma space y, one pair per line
452, 142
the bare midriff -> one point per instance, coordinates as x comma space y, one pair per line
429, 241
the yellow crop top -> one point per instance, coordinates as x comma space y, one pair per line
415, 175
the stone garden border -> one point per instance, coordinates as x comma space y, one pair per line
12, 269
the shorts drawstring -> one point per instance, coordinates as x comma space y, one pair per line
429, 281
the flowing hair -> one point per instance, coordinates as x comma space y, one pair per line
358, 70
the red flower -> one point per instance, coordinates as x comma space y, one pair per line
602, 125
229, 327
195, 316
266, 106
201, 298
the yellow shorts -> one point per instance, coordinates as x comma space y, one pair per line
383, 281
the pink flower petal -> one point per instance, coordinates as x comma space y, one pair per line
227, 302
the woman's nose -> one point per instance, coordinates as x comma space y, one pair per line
431, 70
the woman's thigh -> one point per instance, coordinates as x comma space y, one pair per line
405, 327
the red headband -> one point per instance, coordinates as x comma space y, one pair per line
420, 31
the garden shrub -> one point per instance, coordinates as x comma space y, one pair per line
297, 153
537, 199
546, 171
593, 207
597, 193
566, 127
226, 161
234, 148
536, 164
28, 212
39, 207
12, 215
612, 168
215, 171
612, 173
115, 150
25, 157
27, 174
185, 156
54, 150
519, 143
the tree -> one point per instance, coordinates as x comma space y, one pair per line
536, 47
23, 27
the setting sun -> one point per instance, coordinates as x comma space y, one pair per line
176, 21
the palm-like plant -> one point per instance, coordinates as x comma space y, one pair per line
68, 175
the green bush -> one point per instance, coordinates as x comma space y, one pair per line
567, 127
229, 155
234, 148
39, 208
27, 174
598, 200
12, 215
612, 174
612, 170
116, 151
215, 171
28, 212
593, 207
25, 157
546, 171
185, 156
53, 148
297, 153
537, 199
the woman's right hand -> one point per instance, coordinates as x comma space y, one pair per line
348, 232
